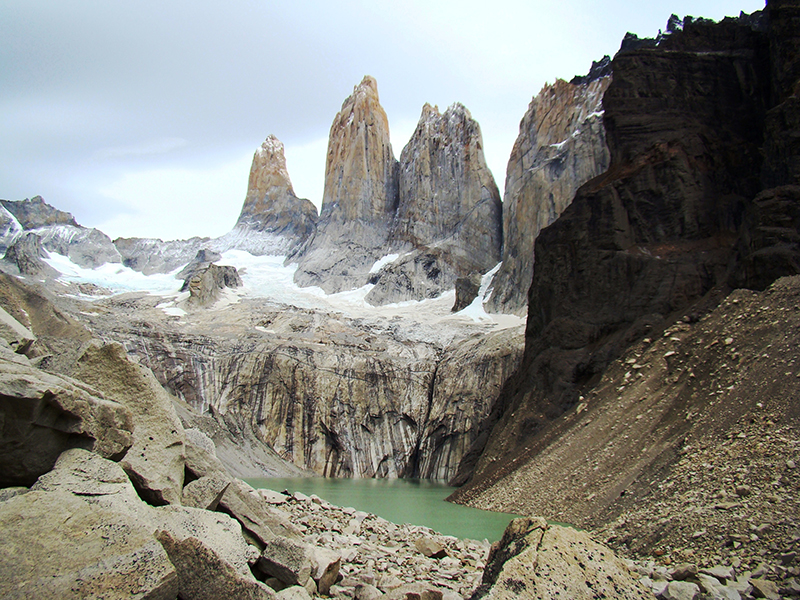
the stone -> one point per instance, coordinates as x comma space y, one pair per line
44, 414
19, 337
764, 588
64, 547
294, 592
260, 523
205, 492
712, 586
156, 460
415, 591
287, 560
430, 548
684, 571
537, 560
203, 575
720, 572
11, 492
325, 565
273, 497
365, 591
388, 582
220, 533
681, 590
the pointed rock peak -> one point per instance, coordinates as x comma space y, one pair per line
367, 87
428, 111
458, 110
268, 170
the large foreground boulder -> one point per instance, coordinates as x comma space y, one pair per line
42, 415
155, 463
56, 545
537, 560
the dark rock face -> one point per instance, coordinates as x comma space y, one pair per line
561, 145
650, 237
466, 291
150, 255
35, 212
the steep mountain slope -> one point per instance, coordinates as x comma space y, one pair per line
633, 356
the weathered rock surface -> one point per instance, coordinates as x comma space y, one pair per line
155, 462
25, 252
561, 145
536, 560
271, 206
150, 255
43, 415
448, 207
359, 198
467, 289
56, 545
35, 213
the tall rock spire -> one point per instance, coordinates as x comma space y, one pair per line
359, 199
271, 207
449, 216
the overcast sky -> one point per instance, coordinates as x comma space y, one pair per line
141, 118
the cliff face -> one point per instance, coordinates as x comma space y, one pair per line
271, 206
654, 234
449, 210
561, 145
359, 198
338, 396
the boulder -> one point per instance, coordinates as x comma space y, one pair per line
286, 560
260, 523
65, 547
536, 560
19, 337
467, 289
430, 547
680, 590
203, 575
205, 492
325, 566
44, 414
156, 460
205, 286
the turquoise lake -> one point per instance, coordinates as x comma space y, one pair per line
414, 501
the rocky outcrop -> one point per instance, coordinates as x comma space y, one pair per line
35, 213
448, 201
359, 198
541, 561
271, 207
654, 233
43, 415
205, 285
467, 289
561, 145
149, 255
26, 254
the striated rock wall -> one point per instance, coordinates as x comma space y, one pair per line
359, 198
561, 145
339, 396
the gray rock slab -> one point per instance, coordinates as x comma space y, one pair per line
204, 575
65, 547
287, 560
205, 492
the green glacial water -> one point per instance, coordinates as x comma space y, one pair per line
414, 501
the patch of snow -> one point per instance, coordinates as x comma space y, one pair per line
114, 276
380, 263
175, 311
